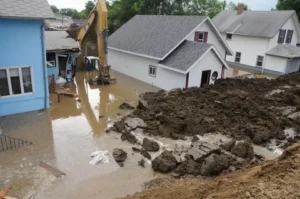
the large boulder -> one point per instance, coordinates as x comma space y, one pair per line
229, 145
120, 156
243, 150
134, 123
164, 163
150, 145
200, 151
214, 165
188, 167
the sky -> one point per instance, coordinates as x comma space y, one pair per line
253, 4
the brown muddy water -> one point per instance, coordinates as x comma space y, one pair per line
65, 135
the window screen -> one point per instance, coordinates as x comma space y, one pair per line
27, 81
15, 81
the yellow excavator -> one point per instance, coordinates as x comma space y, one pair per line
92, 37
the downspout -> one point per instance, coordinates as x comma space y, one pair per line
223, 67
44, 65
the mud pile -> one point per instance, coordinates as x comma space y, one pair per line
248, 109
275, 179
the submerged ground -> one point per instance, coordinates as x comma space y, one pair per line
65, 136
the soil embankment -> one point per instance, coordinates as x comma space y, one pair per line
274, 179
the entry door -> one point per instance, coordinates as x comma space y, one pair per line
205, 78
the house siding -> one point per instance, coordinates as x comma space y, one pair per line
21, 46
212, 38
138, 67
289, 25
276, 63
209, 62
250, 47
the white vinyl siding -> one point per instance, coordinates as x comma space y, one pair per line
16, 81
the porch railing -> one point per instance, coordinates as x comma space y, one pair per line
8, 143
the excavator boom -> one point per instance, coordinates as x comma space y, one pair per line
93, 35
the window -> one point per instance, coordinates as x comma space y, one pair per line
229, 36
289, 36
15, 81
201, 37
281, 36
152, 71
260, 61
238, 56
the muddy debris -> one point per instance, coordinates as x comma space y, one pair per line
165, 162
229, 145
214, 165
238, 108
128, 136
126, 106
120, 156
141, 163
146, 154
137, 150
243, 150
150, 145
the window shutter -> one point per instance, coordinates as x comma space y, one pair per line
196, 36
289, 36
205, 37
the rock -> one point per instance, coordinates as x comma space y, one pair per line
142, 105
214, 165
120, 156
128, 136
164, 163
101, 116
107, 131
134, 123
243, 150
126, 106
232, 169
135, 149
200, 151
247, 194
119, 126
150, 145
145, 154
229, 145
141, 163
195, 138
189, 167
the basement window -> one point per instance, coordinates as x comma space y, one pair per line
152, 71
228, 36
15, 81
260, 61
238, 56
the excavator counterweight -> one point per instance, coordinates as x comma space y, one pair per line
92, 37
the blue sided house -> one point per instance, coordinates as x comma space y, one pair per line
23, 71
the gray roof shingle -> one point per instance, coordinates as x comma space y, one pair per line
285, 50
33, 9
252, 23
59, 40
153, 35
185, 55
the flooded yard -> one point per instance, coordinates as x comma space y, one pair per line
64, 137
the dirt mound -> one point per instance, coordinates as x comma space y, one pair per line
240, 108
275, 179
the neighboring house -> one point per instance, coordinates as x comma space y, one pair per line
62, 52
262, 41
23, 82
169, 51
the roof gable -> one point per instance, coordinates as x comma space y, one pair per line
33, 9
153, 35
252, 23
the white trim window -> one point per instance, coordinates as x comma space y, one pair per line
260, 61
152, 71
15, 81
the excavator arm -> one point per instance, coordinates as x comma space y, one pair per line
95, 29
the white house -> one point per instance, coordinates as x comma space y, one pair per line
262, 41
169, 51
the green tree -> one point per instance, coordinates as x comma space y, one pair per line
205, 7
89, 6
289, 5
54, 9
